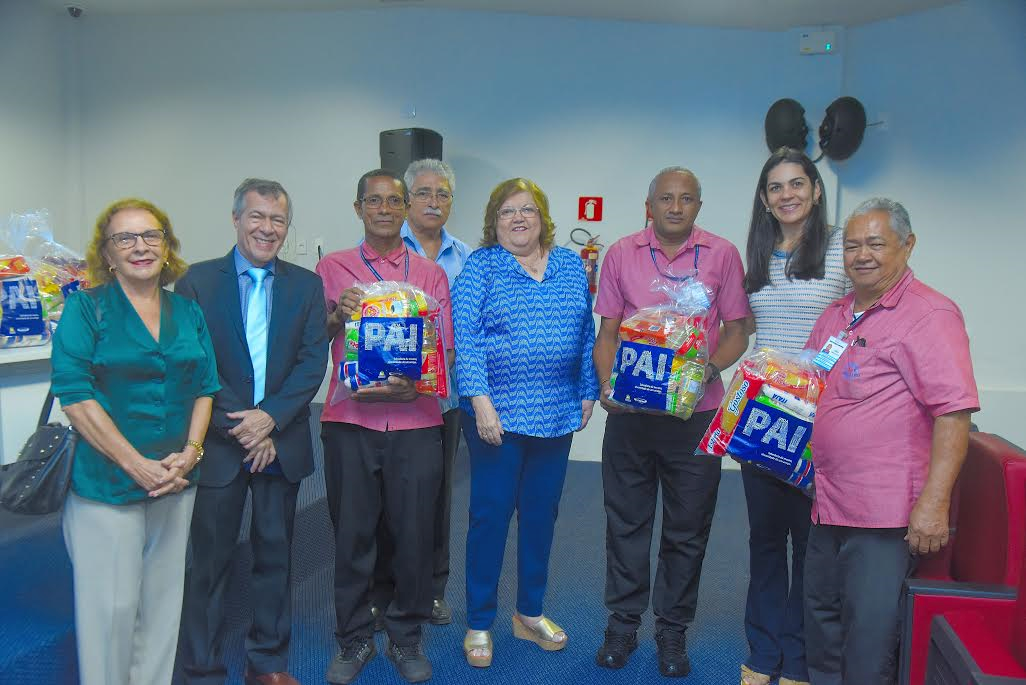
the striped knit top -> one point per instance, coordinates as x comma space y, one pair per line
785, 310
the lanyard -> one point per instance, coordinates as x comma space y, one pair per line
679, 279
406, 273
855, 321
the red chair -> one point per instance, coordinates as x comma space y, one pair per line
985, 559
983, 645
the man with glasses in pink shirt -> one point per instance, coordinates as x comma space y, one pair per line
891, 434
643, 452
431, 183
382, 448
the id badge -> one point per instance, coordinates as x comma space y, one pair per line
830, 353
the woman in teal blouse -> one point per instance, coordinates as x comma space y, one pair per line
134, 369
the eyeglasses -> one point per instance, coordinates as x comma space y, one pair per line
444, 197
375, 201
527, 211
123, 241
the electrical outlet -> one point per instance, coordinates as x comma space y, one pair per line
301, 246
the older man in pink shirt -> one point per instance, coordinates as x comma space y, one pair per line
641, 452
382, 448
891, 434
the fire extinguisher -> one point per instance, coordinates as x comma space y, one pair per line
590, 250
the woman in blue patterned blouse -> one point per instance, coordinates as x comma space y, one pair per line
524, 335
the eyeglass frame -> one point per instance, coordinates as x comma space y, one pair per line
424, 195
527, 211
376, 202
136, 236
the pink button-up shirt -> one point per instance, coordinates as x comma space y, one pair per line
344, 269
628, 271
874, 424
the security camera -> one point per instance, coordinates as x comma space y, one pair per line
74, 12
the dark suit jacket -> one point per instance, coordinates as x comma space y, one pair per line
297, 355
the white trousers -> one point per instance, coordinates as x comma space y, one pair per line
128, 566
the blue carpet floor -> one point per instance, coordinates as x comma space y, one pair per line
37, 631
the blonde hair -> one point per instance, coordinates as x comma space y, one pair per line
500, 194
99, 271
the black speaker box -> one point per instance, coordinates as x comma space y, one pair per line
401, 146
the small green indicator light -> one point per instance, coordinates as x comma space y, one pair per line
828, 47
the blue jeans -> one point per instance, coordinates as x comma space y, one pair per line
774, 612
524, 473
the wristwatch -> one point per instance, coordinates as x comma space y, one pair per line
712, 371
199, 449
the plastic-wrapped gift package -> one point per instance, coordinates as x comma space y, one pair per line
397, 331
767, 415
27, 249
660, 362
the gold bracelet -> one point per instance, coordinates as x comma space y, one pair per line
199, 449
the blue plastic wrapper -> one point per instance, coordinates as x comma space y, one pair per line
767, 414
22, 319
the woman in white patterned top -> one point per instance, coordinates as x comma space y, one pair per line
795, 269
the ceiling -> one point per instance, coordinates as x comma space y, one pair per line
769, 15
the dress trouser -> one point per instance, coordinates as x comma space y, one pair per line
216, 522
128, 566
525, 474
853, 590
774, 612
383, 585
392, 476
640, 454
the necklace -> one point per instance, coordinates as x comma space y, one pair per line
535, 268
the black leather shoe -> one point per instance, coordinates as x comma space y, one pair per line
441, 614
616, 649
379, 619
350, 660
673, 654
413, 666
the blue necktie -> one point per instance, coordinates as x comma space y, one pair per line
256, 330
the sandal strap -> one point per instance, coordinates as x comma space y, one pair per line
545, 629
750, 677
477, 639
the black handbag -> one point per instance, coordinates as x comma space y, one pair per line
37, 483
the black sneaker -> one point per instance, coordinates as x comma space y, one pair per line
441, 614
673, 654
350, 660
379, 619
413, 666
616, 649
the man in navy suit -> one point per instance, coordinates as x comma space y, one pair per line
266, 319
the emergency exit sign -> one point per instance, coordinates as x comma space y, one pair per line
589, 209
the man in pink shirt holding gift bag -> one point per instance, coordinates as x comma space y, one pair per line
642, 452
382, 448
891, 433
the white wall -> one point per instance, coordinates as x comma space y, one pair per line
953, 83
33, 101
179, 109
